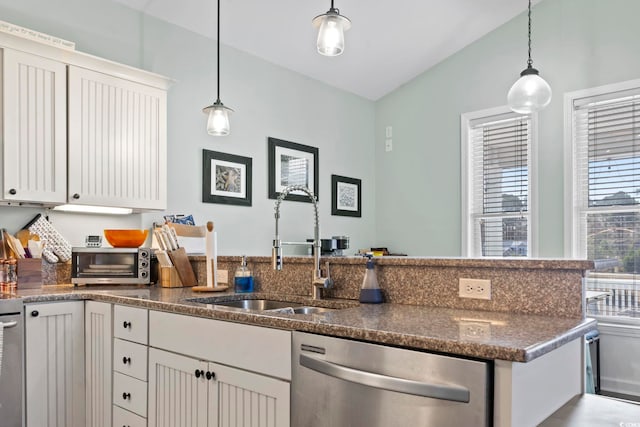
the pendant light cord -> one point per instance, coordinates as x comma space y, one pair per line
218, 61
529, 61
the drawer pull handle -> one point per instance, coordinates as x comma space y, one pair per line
199, 373
76, 196
126, 396
211, 375
126, 324
126, 360
35, 313
13, 192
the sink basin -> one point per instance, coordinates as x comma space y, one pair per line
311, 310
262, 305
257, 304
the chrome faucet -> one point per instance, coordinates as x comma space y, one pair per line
318, 282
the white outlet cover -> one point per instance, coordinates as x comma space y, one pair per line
474, 288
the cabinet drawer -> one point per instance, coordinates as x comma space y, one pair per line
130, 323
254, 348
122, 418
130, 358
130, 393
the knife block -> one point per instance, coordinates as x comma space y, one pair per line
169, 278
29, 271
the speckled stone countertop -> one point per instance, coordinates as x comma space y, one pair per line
474, 333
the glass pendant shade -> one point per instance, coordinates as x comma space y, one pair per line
331, 30
218, 121
529, 93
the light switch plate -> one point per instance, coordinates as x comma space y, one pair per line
388, 145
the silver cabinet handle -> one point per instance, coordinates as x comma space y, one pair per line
451, 392
10, 324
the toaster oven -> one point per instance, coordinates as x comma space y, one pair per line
110, 266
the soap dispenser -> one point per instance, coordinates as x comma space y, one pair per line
370, 291
243, 279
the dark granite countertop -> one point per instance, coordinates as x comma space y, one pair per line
473, 333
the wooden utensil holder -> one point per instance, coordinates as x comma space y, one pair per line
169, 278
29, 271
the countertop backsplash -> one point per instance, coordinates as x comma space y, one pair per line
528, 286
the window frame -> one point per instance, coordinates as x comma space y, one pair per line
573, 247
466, 175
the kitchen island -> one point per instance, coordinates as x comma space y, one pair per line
536, 360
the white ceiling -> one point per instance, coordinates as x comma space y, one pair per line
390, 42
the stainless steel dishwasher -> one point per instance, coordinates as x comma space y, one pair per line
343, 383
11, 372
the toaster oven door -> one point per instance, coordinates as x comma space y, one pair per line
109, 267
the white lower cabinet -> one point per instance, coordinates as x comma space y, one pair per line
98, 337
130, 337
185, 392
220, 374
54, 364
122, 418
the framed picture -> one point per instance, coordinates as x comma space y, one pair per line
346, 196
226, 178
292, 164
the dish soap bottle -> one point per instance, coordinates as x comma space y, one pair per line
243, 279
370, 291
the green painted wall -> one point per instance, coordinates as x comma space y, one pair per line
576, 44
269, 101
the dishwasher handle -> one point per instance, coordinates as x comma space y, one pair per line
454, 393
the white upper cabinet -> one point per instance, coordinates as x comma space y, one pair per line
117, 141
80, 129
34, 131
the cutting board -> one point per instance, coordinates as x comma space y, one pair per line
181, 262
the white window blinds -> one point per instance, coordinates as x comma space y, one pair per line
606, 131
500, 150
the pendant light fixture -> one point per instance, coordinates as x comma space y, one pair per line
218, 121
530, 92
331, 26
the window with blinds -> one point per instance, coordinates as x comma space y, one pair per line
606, 142
500, 173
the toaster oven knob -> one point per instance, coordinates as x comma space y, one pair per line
144, 254
126, 324
143, 263
143, 274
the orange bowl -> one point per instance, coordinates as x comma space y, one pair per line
126, 238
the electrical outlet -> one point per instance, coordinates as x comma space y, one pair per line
475, 288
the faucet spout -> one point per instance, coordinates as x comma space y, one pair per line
276, 251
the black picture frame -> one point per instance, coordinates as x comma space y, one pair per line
346, 196
281, 154
232, 184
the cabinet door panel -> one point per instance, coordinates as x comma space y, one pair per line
35, 141
117, 141
177, 398
55, 364
239, 398
98, 363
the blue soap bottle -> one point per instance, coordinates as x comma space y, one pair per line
243, 279
370, 291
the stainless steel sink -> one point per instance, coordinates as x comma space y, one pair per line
257, 304
262, 305
311, 310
